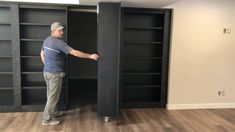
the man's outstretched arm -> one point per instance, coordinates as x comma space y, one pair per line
80, 54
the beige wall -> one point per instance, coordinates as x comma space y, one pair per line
202, 57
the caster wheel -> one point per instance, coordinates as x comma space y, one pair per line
106, 119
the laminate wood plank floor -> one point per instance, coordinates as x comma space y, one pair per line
84, 119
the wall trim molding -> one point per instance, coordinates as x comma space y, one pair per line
200, 106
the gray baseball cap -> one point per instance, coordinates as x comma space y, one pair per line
56, 26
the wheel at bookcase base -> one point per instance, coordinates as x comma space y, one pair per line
106, 119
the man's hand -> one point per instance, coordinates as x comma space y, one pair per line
42, 56
94, 56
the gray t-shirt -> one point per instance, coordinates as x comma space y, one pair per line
55, 51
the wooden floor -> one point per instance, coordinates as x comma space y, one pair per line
84, 119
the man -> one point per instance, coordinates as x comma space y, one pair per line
53, 53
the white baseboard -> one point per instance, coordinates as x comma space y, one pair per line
200, 106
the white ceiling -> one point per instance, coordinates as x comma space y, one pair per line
46, 1
148, 3
125, 3
133, 3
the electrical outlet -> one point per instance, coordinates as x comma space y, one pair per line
221, 93
227, 30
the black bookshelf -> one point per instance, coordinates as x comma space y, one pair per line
6, 70
140, 64
143, 57
108, 45
35, 24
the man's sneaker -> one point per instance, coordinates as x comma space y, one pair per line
50, 123
58, 114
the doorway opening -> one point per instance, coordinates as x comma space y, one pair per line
82, 73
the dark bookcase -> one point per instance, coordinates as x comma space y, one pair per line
109, 18
133, 44
143, 57
6, 70
35, 24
